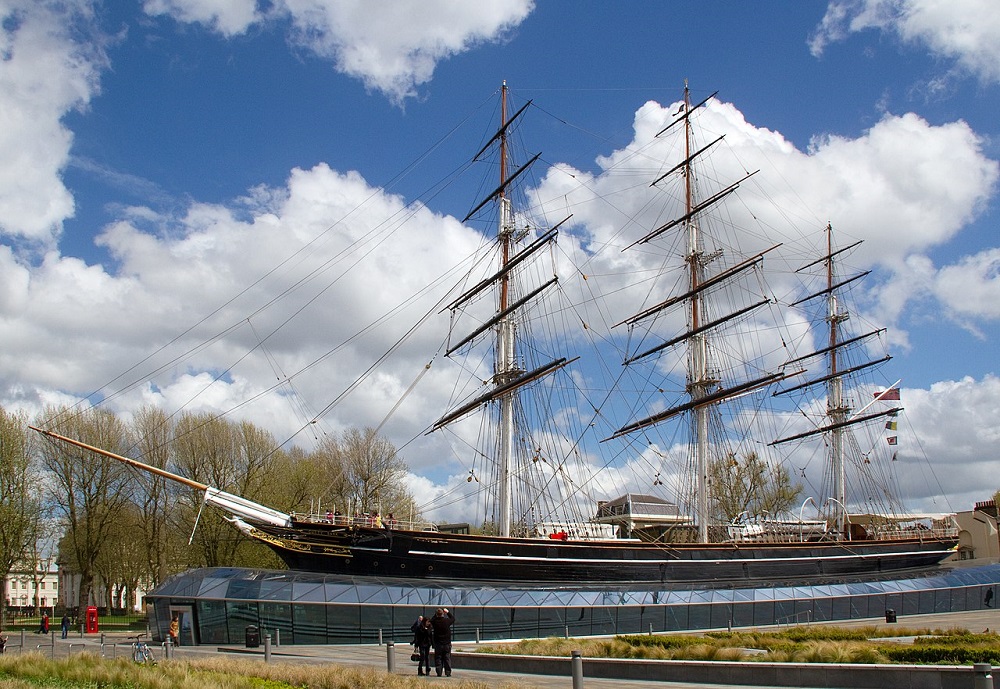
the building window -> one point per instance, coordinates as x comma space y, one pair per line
43, 585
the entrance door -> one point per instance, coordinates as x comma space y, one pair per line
185, 619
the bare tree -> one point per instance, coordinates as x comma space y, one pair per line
750, 486
121, 565
88, 489
301, 482
234, 457
21, 504
153, 431
369, 472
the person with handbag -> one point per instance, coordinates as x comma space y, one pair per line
423, 639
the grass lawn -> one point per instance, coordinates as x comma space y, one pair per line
88, 671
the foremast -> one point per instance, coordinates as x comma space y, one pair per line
509, 376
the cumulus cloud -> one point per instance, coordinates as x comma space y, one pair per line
52, 60
966, 31
950, 443
971, 287
904, 186
241, 306
392, 47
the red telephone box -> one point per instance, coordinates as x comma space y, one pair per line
91, 622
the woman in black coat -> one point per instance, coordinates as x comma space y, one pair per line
423, 639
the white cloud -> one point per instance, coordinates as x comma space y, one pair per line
967, 31
904, 186
328, 242
228, 17
392, 47
950, 443
971, 287
47, 70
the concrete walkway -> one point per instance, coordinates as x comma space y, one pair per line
377, 656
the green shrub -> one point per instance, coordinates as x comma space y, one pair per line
946, 654
814, 644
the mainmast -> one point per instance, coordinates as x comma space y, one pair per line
506, 368
836, 409
703, 387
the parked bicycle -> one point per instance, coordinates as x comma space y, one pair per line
141, 652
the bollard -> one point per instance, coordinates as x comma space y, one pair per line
277, 638
651, 629
390, 657
22, 638
982, 677
166, 648
576, 663
81, 630
477, 635
52, 644
267, 648
566, 631
379, 637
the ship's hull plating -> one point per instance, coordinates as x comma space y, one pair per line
430, 555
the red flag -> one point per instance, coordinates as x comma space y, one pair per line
891, 440
890, 394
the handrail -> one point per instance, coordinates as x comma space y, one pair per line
364, 520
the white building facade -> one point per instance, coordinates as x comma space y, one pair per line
36, 589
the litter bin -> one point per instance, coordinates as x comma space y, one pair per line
890, 615
253, 636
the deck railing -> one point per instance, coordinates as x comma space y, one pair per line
366, 520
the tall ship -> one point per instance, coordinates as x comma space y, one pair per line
729, 406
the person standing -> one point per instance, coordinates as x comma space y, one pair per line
43, 627
64, 625
417, 624
423, 638
174, 631
441, 623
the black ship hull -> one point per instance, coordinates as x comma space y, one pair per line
361, 551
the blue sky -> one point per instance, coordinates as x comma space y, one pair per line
151, 145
